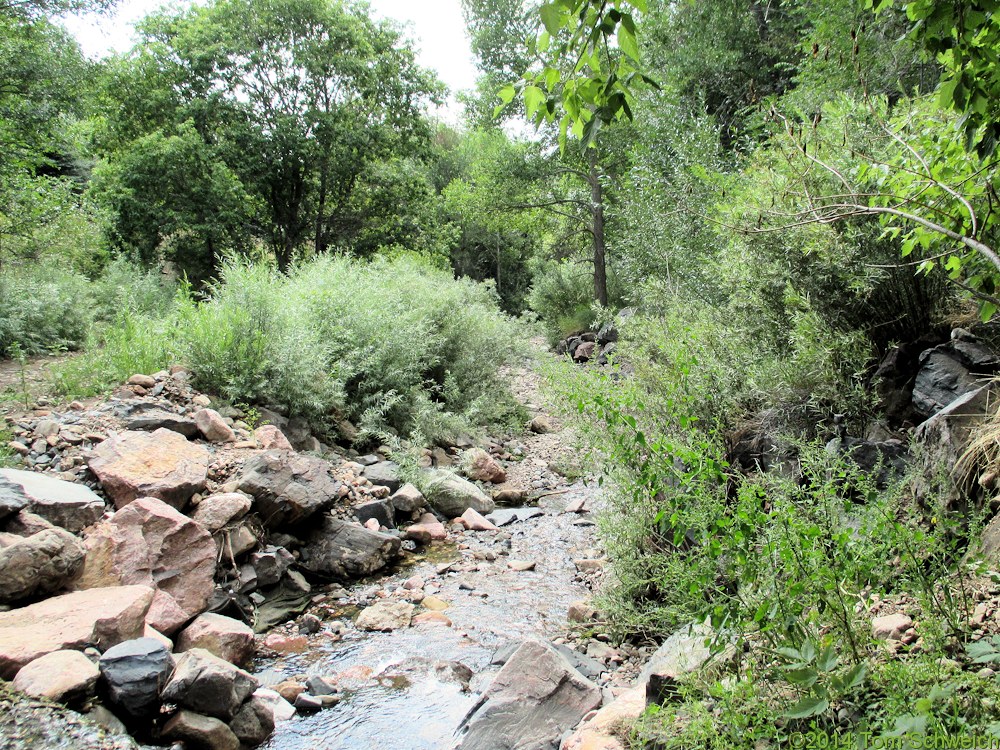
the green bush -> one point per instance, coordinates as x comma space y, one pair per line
396, 345
43, 308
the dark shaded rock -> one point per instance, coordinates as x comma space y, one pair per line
12, 498
381, 510
39, 564
951, 370
207, 684
254, 722
200, 732
608, 334
146, 417
65, 504
536, 697
384, 474
288, 488
584, 351
270, 564
890, 457
342, 551
135, 673
283, 603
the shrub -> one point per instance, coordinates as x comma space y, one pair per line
43, 308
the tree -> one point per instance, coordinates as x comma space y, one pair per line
299, 97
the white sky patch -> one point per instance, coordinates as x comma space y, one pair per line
436, 28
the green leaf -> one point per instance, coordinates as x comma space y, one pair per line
855, 677
805, 677
828, 660
627, 42
811, 706
552, 18
986, 313
534, 97
507, 94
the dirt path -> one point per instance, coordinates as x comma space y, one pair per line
410, 688
29, 382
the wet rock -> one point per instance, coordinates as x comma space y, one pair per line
65, 504
407, 499
534, 699
384, 474
451, 496
39, 564
200, 732
207, 684
148, 542
225, 637
428, 529
891, 627
213, 426
306, 702
270, 564
342, 551
160, 464
270, 437
482, 467
216, 511
135, 673
62, 676
280, 709
147, 417
254, 722
475, 521
288, 488
99, 617
380, 511
385, 616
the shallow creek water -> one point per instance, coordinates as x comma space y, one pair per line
395, 697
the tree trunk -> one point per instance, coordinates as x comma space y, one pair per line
320, 241
597, 226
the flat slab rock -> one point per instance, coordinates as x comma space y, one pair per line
160, 464
98, 617
535, 698
341, 550
65, 504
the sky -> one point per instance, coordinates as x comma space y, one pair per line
436, 26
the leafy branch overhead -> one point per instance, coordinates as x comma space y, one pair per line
589, 64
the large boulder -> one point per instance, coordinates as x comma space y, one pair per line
160, 464
135, 673
952, 370
209, 685
225, 637
39, 564
255, 721
451, 496
98, 617
217, 511
64, 504
535, 698
342, 550
62, 676
288, 488
148, 542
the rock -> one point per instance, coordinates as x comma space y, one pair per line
270, 564
216, 511
385, 616
242, 540
407, 499
542, 424
160, 464
26, 524
434, 603
584, 351
889, 457
281, 710
148, 542
306, 702
683, 652
521, 565
582, 611
39, 564
225, 637
608, 334
343, 551
200, 732
144, 381
475, 521
510, 497
213, 426
534, 699
384, 474
288, 488
950, 371
482, 467
891, 627
381, 512
270, 437
507, 516
451, 496
431, 618
428, 529
601, 730
255, 721
135, 673
147, 417
61, 676
205, 683
64, 504
99, 617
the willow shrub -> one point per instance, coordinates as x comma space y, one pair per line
395, 345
